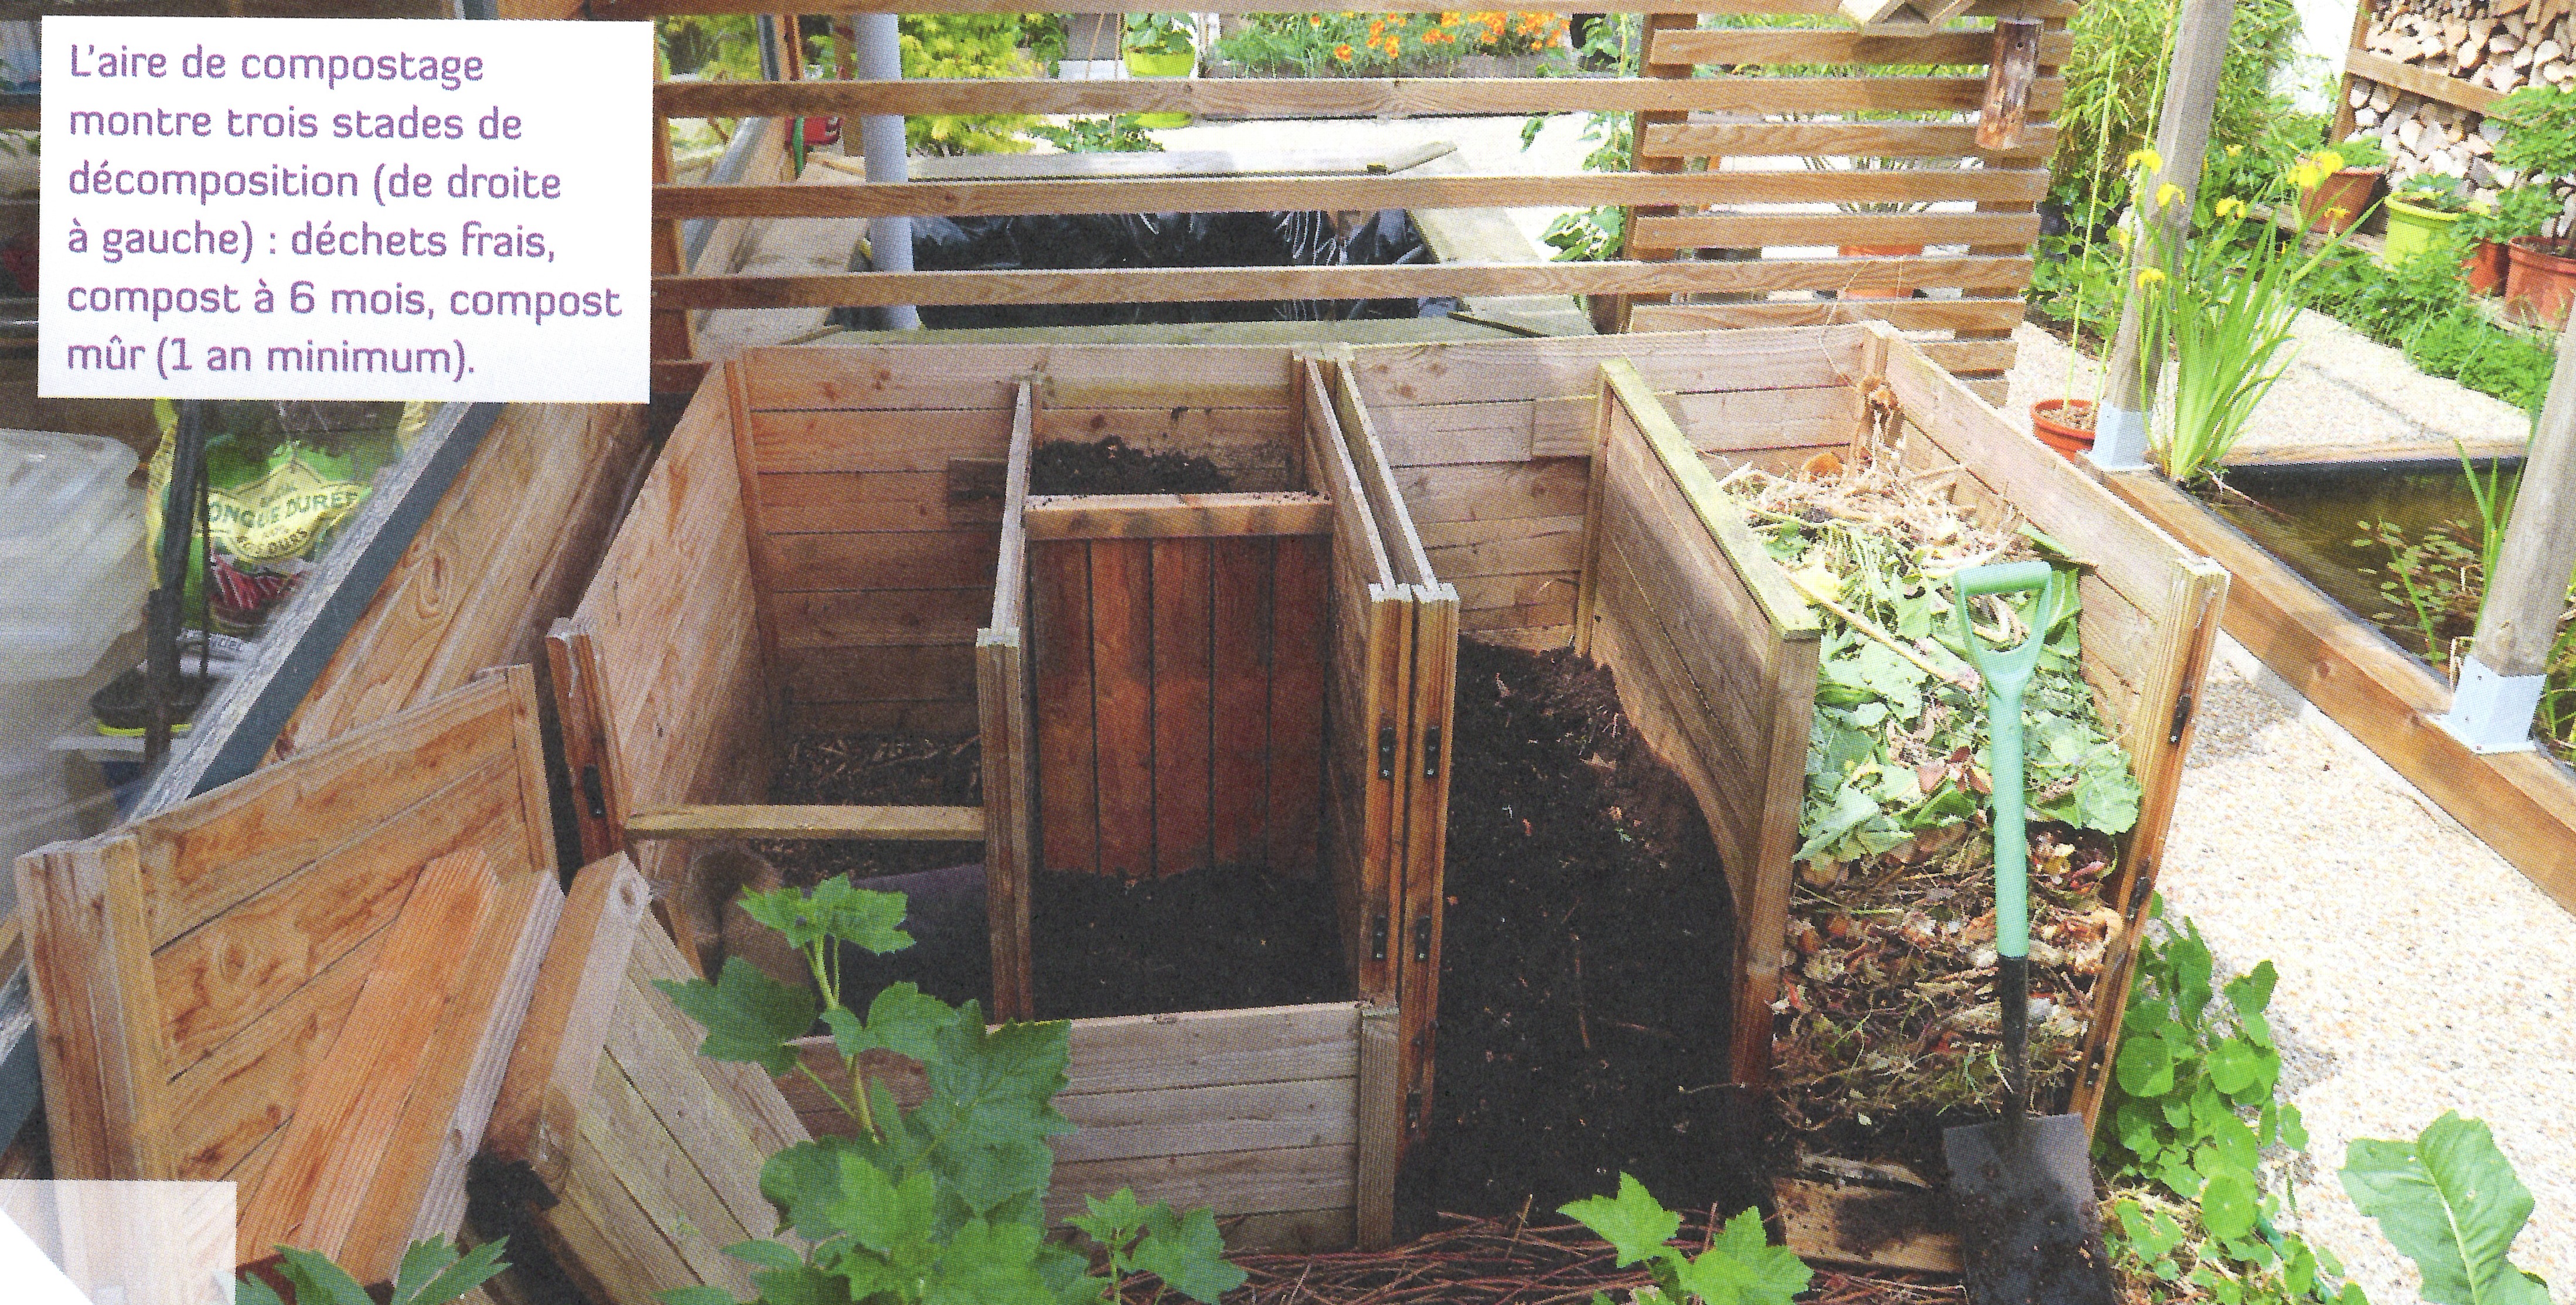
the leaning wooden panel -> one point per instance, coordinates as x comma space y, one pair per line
1009, 745
268, 952
649, 1154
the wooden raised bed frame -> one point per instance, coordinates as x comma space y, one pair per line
843, 539
1637, 560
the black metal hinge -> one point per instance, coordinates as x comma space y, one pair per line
2181, 718
1431, 753
593, 792
1422, 940
1377, 937
1386, 752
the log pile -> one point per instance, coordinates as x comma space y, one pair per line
2498, 48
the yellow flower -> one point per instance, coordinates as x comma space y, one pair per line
2235, 150
2148, 277
2229, 206
2148, 159
2329, 162
2167, 194
2120, 236
2306, 176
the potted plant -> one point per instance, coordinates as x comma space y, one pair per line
1874, 163
1160, 45
2540, 143
2424, 212
2336, 185
2485, 233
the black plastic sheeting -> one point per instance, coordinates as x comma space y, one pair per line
1104, 240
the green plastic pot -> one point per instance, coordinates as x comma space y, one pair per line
2412, 229
1142, 64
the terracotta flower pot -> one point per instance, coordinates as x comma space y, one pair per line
2348, 191
1881, 251
2065, 425
2484, 268
2538, 285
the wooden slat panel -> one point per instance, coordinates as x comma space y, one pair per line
1270, 1044
1392, 377
1010, 803
932, 674
1240, 606
1756, 46
884, 618
1397, 190
1298, 628
1171, 516
1770, 230
555, 1063
1357, 97
1122, 698
1202, 1120
1060, 622
1834, 139
986, 378
1907, 314
893, 500
918, 441
88, 961
886, 559
1226, 1182
1182, 716
240, 1096
896, 824
1429, 725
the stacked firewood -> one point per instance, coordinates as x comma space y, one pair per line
2499, 47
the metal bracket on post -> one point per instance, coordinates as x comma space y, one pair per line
2119, 439
2490, 712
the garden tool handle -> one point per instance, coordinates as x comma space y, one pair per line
2007, 672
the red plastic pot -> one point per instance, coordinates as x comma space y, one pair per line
2053, 421
2484, 268
1881, 251
2538, 285
2348, 191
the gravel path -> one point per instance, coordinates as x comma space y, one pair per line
2419, 971
2343, 388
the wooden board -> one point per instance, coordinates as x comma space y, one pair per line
1867, 1227
831, 823
1175, 516
1004, 717
296, 877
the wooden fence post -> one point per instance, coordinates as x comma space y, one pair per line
2527, 591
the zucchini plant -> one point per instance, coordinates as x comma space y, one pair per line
1740, 1266
942, 1203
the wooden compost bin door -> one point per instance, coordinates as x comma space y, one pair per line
1180, 702
308, 980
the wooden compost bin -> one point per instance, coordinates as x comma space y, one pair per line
842, 539
1633, 557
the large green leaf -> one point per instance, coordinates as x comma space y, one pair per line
1741, 1267
433, 1273
1188, 1254
1633, 1222
2451, 1202
748, 1015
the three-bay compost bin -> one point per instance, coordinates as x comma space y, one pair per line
1239, 691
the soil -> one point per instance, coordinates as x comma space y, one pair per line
1207, 940
1584, 1004
890, 770
1114, 466
2032, 1251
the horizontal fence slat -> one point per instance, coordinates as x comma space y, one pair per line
1830, 139
1768, 47
1760, 230
636, 9
1232, 284
2371, 66
1271, 194
1200, 1120
1267, 1044
1905, 314
1372, 97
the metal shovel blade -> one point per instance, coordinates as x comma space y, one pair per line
2030, 1232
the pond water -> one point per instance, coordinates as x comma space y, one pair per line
2313, 519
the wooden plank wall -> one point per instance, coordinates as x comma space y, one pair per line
658, 672
506, 552
651, 1153
1490, 444
1254, 1113
1715, 661
193, 969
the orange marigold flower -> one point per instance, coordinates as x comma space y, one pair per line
1314, 20
1377, 29
1343, 52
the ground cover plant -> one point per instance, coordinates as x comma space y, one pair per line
944, 1202
1886, 1023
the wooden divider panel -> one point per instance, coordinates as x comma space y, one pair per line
193, 972
1009, 744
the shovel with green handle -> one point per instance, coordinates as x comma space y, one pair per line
2030, 1231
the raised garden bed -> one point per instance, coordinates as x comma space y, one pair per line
1196, 722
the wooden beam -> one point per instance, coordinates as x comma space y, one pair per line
876, 824
1742, 47
1772, 230
1905, 314
1174, 516
1269, 194
1229, 284
2526, 595
235, 730
1324, 97
1826, 139
2372, 66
